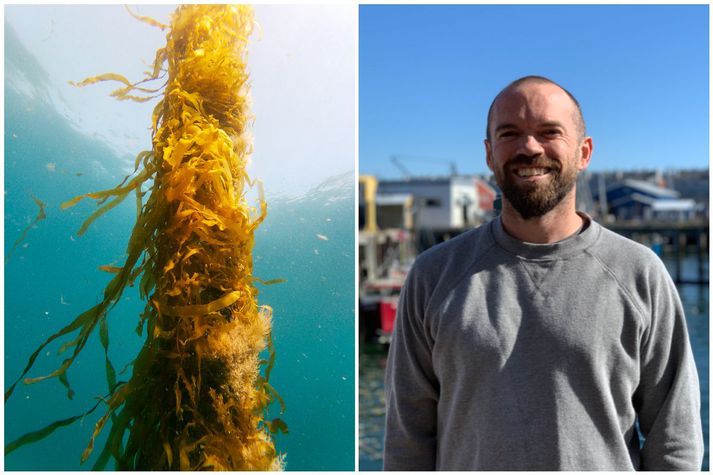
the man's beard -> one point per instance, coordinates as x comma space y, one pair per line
533, 200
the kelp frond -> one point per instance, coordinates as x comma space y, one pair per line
196, 399
40, 216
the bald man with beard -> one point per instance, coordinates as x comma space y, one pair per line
540, 340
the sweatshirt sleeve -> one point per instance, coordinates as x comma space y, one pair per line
667, 400
411, 388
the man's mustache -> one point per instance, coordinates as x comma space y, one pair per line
536, 162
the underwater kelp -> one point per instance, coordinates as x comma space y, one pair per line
196, 399
40, 216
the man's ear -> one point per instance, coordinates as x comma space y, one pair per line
585, 149
489, 154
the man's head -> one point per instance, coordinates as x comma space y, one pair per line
578, 116
536, 145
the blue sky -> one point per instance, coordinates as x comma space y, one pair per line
427, 75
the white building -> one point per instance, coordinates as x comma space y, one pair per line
443, 202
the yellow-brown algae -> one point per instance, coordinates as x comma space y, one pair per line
196, 399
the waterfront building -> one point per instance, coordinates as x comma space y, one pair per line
638, 200
443, 203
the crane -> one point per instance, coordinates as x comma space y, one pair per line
396, 160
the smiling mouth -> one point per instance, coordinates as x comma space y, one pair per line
528, 172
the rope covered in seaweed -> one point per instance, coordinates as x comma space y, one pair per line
196, 399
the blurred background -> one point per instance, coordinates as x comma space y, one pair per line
427, 75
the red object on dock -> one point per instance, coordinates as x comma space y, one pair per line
387, 312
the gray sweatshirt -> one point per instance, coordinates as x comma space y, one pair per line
515, 356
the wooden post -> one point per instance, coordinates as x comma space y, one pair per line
680, 254
702, 246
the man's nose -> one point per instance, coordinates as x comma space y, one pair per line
529, 145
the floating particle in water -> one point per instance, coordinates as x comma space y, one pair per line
316, 252
49, 35
14, 136
111, 269
62, 301
51, 167
322, 237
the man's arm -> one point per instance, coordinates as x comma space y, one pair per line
411, 388
668, 397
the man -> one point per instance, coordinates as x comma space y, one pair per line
540, 340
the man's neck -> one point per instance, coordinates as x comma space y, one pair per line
558, 224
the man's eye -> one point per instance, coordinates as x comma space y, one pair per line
551, 132
506, 134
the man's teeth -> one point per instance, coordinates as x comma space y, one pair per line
525, 172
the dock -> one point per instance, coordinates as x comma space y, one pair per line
679, 239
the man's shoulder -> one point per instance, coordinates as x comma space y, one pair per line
456, 252
625, 257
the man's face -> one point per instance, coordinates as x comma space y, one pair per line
535, 148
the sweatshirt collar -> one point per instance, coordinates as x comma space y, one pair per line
567, 247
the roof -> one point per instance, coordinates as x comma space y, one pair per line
673, 205
666, 204
638, 197
395, 199
433, 180
645, 187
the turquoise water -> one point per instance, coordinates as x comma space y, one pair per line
372, 361
53, 275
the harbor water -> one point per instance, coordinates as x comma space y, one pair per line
52, 275
372, 361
